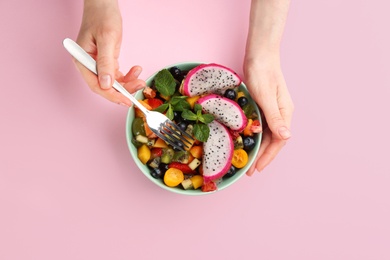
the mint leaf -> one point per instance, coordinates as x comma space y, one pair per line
177, 99
197, 107
165, 83
161, 108
181, 106
201, 132
199, 114
170, 114
206, 118
189, 115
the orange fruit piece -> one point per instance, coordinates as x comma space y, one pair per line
247, 130
144, 153
160, 143
197, 181
173, 177
192, 100
240, 158
196, 151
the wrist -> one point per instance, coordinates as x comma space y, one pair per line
261, 60
100, 3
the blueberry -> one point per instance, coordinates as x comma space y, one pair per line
157, 173
230, 94
231, 172
242, 101
163, 167
177, 116
182, 125
176, 73
249, 143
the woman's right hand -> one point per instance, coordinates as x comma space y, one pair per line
101, 35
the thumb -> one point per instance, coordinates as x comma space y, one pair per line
106, 63
275, 121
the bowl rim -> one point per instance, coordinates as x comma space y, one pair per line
145, 170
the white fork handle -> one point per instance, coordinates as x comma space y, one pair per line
84, 58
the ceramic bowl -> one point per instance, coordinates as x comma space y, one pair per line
226, 182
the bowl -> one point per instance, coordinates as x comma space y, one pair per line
226, 182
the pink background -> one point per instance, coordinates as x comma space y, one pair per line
70, 190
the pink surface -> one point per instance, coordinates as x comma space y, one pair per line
70, 190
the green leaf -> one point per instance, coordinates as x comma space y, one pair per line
206, 118
177, 99
181, 106
170, 114
165, 82
201, 132
189, 115
161, 108
197, 107
199, 114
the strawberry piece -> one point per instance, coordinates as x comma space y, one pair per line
155, 102
156, 152
181, 166
209, 186
234, 133
256, 127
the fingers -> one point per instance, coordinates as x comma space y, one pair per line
275, 120
133, 73
107, 64
269, 153
266, 140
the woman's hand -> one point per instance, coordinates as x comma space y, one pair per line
265, 81
264, 77
101, 35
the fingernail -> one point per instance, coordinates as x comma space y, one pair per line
123, 104
137, 72
284, 132
105, 81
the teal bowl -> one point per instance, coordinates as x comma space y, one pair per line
226, 182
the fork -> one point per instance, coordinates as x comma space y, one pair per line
161, 125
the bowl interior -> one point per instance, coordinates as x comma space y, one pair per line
146, 171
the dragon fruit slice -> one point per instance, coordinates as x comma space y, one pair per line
224, 110
209, 78
217, 152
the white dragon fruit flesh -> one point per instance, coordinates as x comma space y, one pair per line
209, 78
217, 152
224, 110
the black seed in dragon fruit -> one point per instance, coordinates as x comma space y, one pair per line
217, 152
224, 110
209, 78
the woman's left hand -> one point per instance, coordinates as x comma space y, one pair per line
265, 82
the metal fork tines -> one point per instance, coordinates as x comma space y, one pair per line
167, 130
173, 135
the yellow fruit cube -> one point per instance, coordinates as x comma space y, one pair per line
144, 153
197, 181
192, 100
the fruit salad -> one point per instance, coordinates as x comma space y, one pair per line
206, 103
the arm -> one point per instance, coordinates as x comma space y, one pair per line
264, 76
101, 35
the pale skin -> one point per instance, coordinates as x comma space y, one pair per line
264, 77
101, 34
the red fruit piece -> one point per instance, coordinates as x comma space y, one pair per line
209, 186
155, 102
181, 166
156, 152
234, 133
256, 127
